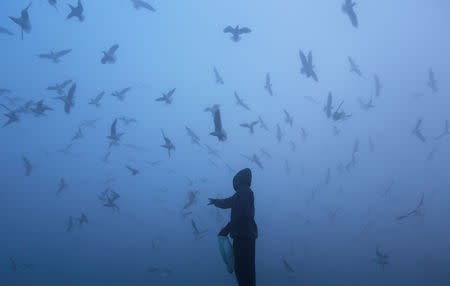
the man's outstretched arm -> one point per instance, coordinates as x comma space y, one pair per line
222, 203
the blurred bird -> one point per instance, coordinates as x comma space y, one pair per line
236, 32
417, 131
114, 137
109, 56
133, 171
268, 85
120, 94
59, 87
55, 56
250, 126
378, 85
218, 132
329, 106
445, 132
307, 66
68, 99
76, 11
27, 164
240, 102
347, 8
354, 67
288, 118
432, 83
219, 79
167, 143
96, 101
23, 21
138, 4
167, 97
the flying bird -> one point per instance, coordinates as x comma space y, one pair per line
288, 118
96, 101
40, 108
109, 56
262, 124
329, 106
307, 66
348, 8
23, 21
167, 143
255, 159
236, 32
415, 211
167, 97
432, 83
120, 94
83, 219
219, 79
138, 4
418, 132
250, 126
61, 186
114, 137
218, 129
133, 171
68, 99
59, 87
240, 102
279, 134
76, 11
55, 56
304, 134
268, 85
366, 105
78, 135
354, 67
27, 164
52, 3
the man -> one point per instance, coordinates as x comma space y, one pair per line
242, 227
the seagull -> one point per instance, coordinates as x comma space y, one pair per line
307, 66
23, 21
268, 85
432, 83
194, 137
347, 8
279, 134
378, 85
167, 97
40, 108
108, 56
133, 171
240, 102
218, 129
78, 135
114, 136
76, 11
250, 126
353, 67
96, 101
59, 87
61, 186
417, 131
167, 143
219, 79
68, 99
236, 32
120, 94
138, 4
288, 118
28, 167
55, 56
329, 106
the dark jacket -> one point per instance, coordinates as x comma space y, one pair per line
242, 223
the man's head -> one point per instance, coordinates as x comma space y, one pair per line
242, 180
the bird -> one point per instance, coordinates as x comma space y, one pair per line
218, 129
59, 87
55, 56
61, 186
114, 136
109, 56
52, 3
366, 105
307, 66
348, 8
219, 79
279, 134
96, 101
268, 85
240, 102
133, 171
23, 21
27, 164
78, 135
329, 106
138, 4
250, 126
445, 132
194, 137
167, 143
5, 31
40, 108
236, 32
167, 97
68, 99
288, 118
378, 85
76, 11
120, 94
354, 67
432, 83
417, 131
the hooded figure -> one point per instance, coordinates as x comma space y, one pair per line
242, 227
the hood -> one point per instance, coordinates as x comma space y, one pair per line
242, 180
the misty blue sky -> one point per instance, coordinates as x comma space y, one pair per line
177, 47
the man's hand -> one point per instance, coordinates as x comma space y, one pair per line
212, 201
224, 232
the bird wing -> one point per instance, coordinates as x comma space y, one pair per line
314, 76
171, 92
420, 136
303, 58
62, 53
217, 121
64, 84
71, 92
113, 49
245, 125
418, 124
113, 128
99, 97
5, 31
244, 30
45, 56
353, 18
228, 29
310, 58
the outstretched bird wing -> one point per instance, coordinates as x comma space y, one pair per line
62, 53
45, 56
303, 58
113, 49
217, 121
113, 128
244, 30
228, 29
